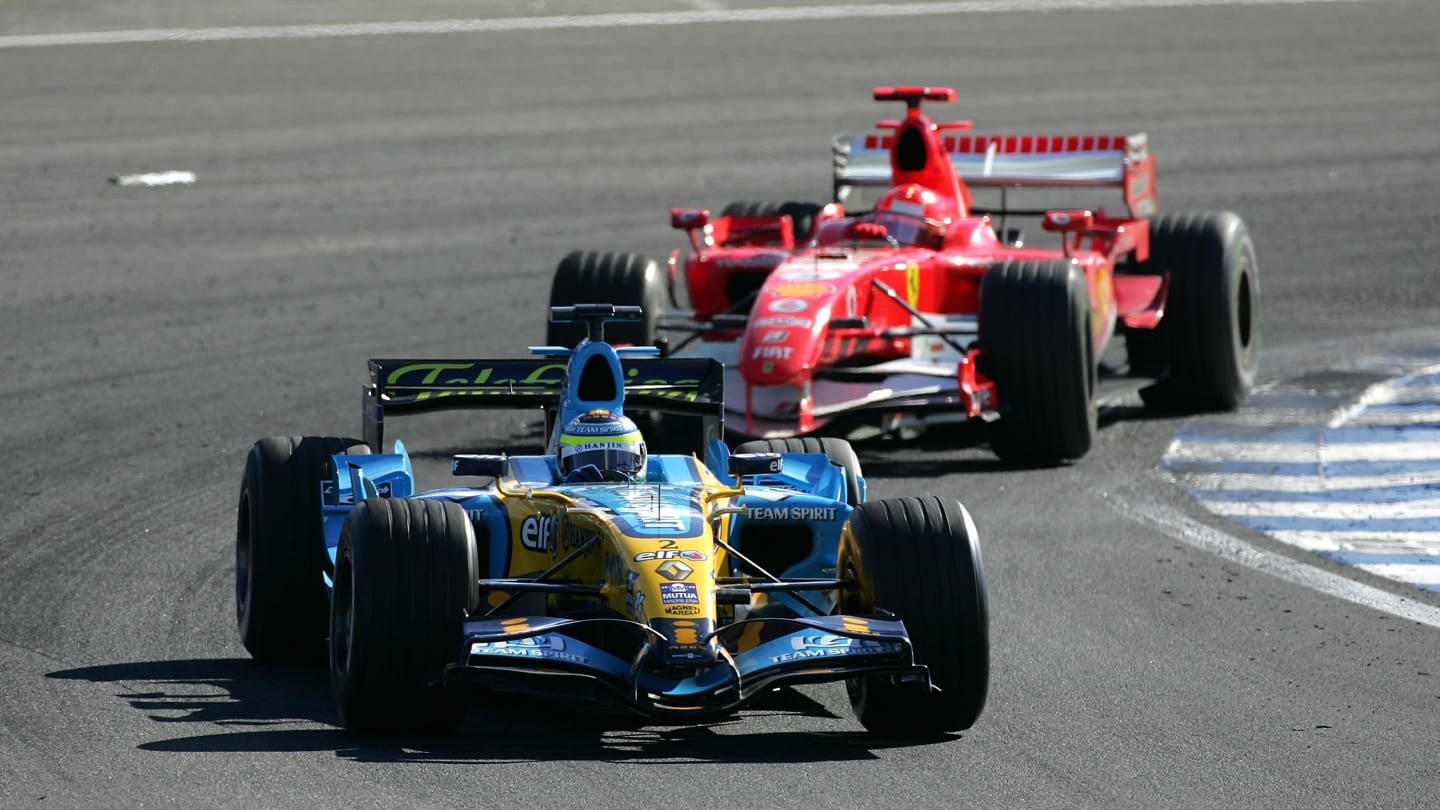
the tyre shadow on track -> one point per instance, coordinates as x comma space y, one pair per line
265, 708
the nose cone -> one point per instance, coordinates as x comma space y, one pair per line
783, 338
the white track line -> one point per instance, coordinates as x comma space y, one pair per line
1398, 419
1366, 540
617, 20
152, 179
1321, 509
1417, 387
1214, 484
1414, 574
1192, 448
1233, 549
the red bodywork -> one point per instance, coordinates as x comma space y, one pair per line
845, 322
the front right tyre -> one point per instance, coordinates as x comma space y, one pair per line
1035, 332
802, 214
281, 608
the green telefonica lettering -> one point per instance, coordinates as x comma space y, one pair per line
431, 370
688, 396
480, 377
537, 376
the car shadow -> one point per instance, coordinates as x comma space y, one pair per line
264, 708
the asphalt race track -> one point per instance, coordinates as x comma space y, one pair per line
410, 193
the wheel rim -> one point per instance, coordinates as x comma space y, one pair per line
1244, 309
849, 604
850, 599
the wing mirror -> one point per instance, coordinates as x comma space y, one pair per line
684, 219
486, 465
1063, 221
743, 464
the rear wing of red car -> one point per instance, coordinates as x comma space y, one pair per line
1006, 161
680, 385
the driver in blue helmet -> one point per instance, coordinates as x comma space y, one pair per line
601, 445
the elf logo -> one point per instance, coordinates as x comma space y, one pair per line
692, 556
537, 533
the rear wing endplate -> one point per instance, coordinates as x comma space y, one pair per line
1015, 160
684, 385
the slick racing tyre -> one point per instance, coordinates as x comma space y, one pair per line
280, 602
627, 280
1207, 346
406, 575
802, 214
622, 279
919, 559
838, 451
1036, 341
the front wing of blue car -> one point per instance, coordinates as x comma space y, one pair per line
547, 656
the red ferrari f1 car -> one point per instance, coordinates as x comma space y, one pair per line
929, 309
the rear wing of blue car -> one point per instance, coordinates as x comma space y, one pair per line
685, 386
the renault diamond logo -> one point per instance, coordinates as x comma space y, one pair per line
675, 571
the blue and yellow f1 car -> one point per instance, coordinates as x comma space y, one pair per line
679, 596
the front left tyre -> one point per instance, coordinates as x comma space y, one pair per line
918, 559
406, 576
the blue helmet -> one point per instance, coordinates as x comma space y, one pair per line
606, 440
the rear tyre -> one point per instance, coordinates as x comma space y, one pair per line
802, 214
406, 575
1207, 346
1035, 332
838, 451
281, 607
919, 559
623, 279
627, 280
